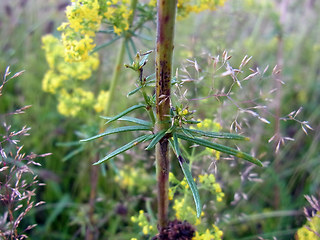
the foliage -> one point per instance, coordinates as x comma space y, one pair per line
249, 208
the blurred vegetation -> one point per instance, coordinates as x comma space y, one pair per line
263, 202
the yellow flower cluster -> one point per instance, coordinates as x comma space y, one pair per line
185, 7
184, 211
143, 223
102, 100
210, 234
212, 126
258, 4
78, 33
118, 15
208, 181
71, 104
305, 234
63, 79
133, 178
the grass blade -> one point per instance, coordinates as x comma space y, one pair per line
123, 148
117, 130
125, 112
221, 148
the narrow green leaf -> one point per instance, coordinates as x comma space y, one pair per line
128, 51
176, 145
73, 153
134, 91
64, 201
143, 36
174, 80
221, 148
216, 134
157, 137
192, 121
105, 44
123, 148
117, 130
133, 46
151, 77
184, 130
125, 112
67, 144
144, 59
106, 31
185, 169
192, 184
133, 120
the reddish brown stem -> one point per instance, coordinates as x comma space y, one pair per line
165, 35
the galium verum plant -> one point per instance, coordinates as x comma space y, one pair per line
168, 125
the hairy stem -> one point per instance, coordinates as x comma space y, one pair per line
164, 52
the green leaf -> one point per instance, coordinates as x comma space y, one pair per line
192, 122
67, 144
128, 51
157, 137
73, 153
221, 148
176, 145
184, 130
144, 59
192, 184
59, 207
151, 78
134, 91
187, 173
133, 120
133, 46
117, 130
125, 112
215, 134
124, 148
105, 44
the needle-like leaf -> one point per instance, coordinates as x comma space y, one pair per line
124, 148
125, 112
221, 148
117, 130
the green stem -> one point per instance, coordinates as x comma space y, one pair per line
165, 35
149, 108
115, 76
95, 169
119, 61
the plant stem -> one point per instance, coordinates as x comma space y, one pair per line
94, 171
164, 52
119, 61
149, 108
